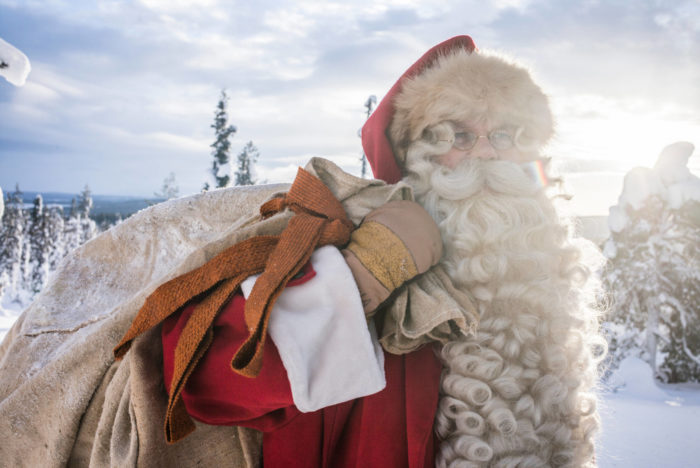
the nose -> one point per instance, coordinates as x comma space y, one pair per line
483, 149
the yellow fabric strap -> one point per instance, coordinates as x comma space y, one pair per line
393, 264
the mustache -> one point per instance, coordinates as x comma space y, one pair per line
475, 176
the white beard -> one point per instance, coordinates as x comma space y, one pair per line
519, 393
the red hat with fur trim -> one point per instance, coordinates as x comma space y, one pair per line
452, 81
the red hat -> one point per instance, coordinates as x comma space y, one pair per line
452, 82
375, 141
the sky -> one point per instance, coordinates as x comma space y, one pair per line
122, 93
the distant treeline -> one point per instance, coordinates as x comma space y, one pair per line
103, 206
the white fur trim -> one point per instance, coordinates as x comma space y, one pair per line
330, 353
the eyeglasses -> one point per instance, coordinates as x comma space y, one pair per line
465, 140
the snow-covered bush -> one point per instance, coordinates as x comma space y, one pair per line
653, 274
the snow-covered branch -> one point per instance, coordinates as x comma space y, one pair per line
14, 65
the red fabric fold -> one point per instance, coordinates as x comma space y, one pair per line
392, 428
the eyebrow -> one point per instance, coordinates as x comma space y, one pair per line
460, 126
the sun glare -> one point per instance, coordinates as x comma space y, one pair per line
598, 147
638, 139
625, 140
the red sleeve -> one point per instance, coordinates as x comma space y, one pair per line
216, 395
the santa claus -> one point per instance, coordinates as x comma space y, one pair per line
486, 359
466, 130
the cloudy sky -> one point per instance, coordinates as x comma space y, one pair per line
121, 93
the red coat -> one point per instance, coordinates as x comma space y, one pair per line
391, 428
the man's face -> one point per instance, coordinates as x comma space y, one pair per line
482, 140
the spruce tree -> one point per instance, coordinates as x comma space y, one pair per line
39, 245
169, 189
79, 228
88, 227
246, 160
4, 282
85, 201
72, 230
56, 225
12, 241
73, 212
220, 168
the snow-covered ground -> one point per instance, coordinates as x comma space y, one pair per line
6, 321
9, 311
649, 425
645, 425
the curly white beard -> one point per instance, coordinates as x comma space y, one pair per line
519, 393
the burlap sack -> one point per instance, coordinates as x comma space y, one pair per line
63, 398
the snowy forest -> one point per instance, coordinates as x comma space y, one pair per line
34, 240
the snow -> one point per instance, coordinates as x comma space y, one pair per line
617, 219
673, 161
9, 311
684, 191
647, 424
14, 65
640, 184
672, 168
670, 180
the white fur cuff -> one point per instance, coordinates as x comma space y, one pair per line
330, 353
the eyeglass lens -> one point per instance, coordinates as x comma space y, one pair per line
466, 139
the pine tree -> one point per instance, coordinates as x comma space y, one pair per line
85, 202
220, 168
246, 161
88, 227
72, 232
46, 243
4, 282
57, 242
653, 276
79, 228
73, 212
12, 242
169, 188
39, 245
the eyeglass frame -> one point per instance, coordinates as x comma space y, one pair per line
489, 136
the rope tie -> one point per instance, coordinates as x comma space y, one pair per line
319, 219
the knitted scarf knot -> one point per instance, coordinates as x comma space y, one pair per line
319, 219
